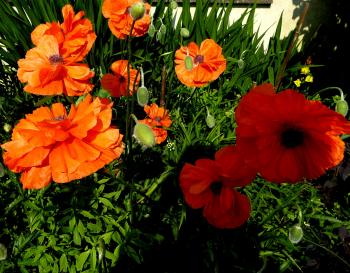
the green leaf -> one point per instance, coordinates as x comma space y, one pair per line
76, 237
81, 259
63, 263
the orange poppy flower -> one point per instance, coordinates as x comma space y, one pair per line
210, 184
120, 19
159, 120
287, 137
50, 144
197, 66
47, 72
117, 83
75, 35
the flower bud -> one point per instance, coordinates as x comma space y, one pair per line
151, 30
2, 170
7, 127
240, 64
184, 32
137, 10
342, 107
188, 63
295, 234
3, 252
162, 29
173, 5
144, 135
210, 120
142, 96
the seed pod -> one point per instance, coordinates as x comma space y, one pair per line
342, 107
240, 64
137, 10
142, 96
144, 135
184, 32
295, 234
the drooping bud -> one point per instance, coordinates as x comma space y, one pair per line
173, 5
142, 96
184, 32
210, 120
240, 63
342, 106
151, 30
142, 92
137, 10
144, 135
2, 170
3, 252
188, 63
162, 29
7, 127
295, 234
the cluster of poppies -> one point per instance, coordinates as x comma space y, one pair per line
282, 136
50, 144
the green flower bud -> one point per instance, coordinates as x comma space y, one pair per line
184, 32
162, 29
210, 120
173, 5
144, 135
7, 127
3, 252
151, 30
295, 234
2, 170
101, 250
240, 64
102, 93
159, 36
188, 63
142, 96
342, 107
137, 10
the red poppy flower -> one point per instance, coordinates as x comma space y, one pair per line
47, 72
287, 137
51, 145
159, 120
120, 19
197, 66
210, 184
75, 35
117, 83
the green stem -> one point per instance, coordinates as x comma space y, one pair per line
128, 107
330, 88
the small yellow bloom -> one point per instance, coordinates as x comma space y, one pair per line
309, 78
297, 82
305, 70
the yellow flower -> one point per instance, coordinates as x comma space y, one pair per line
297, 82
305, 70
309, 78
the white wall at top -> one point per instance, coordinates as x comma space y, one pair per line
266, 17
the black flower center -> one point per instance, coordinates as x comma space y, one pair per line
216, 188
122, 79
198, 59
292, 137
56, 59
